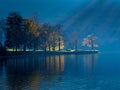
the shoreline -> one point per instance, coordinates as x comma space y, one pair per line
30, 53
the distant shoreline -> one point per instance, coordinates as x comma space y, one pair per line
30, 53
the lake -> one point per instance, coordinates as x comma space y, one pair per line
65, 72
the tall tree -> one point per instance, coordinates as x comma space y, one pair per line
45, 32
32, 34
55, 39
59, 35
13, 30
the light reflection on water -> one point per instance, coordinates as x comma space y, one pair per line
64, 72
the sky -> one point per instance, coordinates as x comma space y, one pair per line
48, 9
78, 17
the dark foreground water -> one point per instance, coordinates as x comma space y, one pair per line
65, 72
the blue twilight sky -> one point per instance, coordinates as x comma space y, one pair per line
49, 10
78, 17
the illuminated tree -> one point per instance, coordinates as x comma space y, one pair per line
90, 41
44, 35
55, 39
50, 37
31, 34
59, 35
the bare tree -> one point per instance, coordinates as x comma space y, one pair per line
90, 41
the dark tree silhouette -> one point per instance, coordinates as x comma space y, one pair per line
13, 30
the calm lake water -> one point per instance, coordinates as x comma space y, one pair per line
65, 72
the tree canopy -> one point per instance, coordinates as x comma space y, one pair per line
26, 33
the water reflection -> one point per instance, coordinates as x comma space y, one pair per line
35, 72
55, 64
90, 62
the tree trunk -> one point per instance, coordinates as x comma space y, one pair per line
16, 48
13, 49
24, 48
59, 44
45, 48
54, 46
92, 44
49, 47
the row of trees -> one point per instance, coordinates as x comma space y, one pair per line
88, 42
29, 34
23, 34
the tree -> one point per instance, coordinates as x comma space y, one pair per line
90, 41
25, 34
55, 39
44, 34
13, 30
31, 31
50, 37
59, 35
